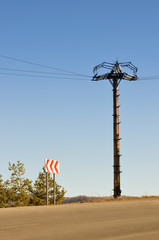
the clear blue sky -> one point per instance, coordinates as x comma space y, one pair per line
70, 120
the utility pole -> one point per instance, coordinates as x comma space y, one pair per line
117, 191
115, 76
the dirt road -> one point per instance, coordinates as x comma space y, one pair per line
114, 220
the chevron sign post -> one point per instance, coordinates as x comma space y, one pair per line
51, 166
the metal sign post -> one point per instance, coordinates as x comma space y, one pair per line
46, 188
54, 183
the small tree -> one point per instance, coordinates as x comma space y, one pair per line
40, 190
20, 189
3, 194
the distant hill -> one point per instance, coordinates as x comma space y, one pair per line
84, 198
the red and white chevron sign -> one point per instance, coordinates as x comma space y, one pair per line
51, 166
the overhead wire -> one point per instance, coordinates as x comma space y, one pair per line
42, 76
65, 72
59, 75
44, 66
31, 71
149, 78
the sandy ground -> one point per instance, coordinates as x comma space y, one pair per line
126, 219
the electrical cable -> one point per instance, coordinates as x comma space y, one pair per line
59, 74
67, 73
42, 76
149, 78
41, 65
31, 71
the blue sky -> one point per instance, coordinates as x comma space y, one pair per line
71, 120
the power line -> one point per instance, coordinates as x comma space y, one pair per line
41, 65
42, 76
67, 73
59, 74
149, 78
31, 71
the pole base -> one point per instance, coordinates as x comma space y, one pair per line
117, 192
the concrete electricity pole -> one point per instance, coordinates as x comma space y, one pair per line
115, 76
